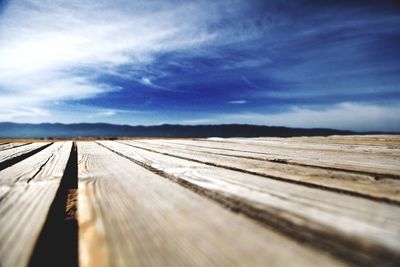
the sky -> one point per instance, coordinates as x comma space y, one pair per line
303, 63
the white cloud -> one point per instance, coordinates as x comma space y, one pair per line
346, 116
52, 51
23, 112
241, 101
146, 81
107, 113
197, 121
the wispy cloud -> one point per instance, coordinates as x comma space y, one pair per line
149, 83
146, 81
107, 113
196, 121
174, 59
28, 113
238, 102
56, 51
346, 116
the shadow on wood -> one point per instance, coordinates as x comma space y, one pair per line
58, 242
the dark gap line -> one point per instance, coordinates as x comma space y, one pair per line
12, 161
354, 252
24, 144
278, 178
40, 169
377, 176
57, 244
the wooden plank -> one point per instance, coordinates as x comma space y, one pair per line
6, 146
376, 154
28, 190
13, 155
382, 146
380, 165
33, 167
373, 140
129, 216
367, 228
353, 183
17, 151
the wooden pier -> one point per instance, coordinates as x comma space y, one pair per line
306, 201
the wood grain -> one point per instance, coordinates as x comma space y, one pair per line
27, 191
129, 216
359, 140
389, 145
364, 185
369, 227
381, 165
6, 146
13, 155
304, 201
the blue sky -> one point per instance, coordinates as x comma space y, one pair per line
293, 63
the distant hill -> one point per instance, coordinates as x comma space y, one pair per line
58, 130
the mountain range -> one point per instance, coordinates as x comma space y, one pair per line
104, 130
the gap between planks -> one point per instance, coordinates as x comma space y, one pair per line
67, 195
57, 244
130, 216
364, 253
16, 154
328, 184
32, 207
253, 149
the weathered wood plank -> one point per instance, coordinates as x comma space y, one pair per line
370, 163
6, 146
28, 190
129, 216
367, 228
13, 155
321, 144
373, 140
361, 184
33, 167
